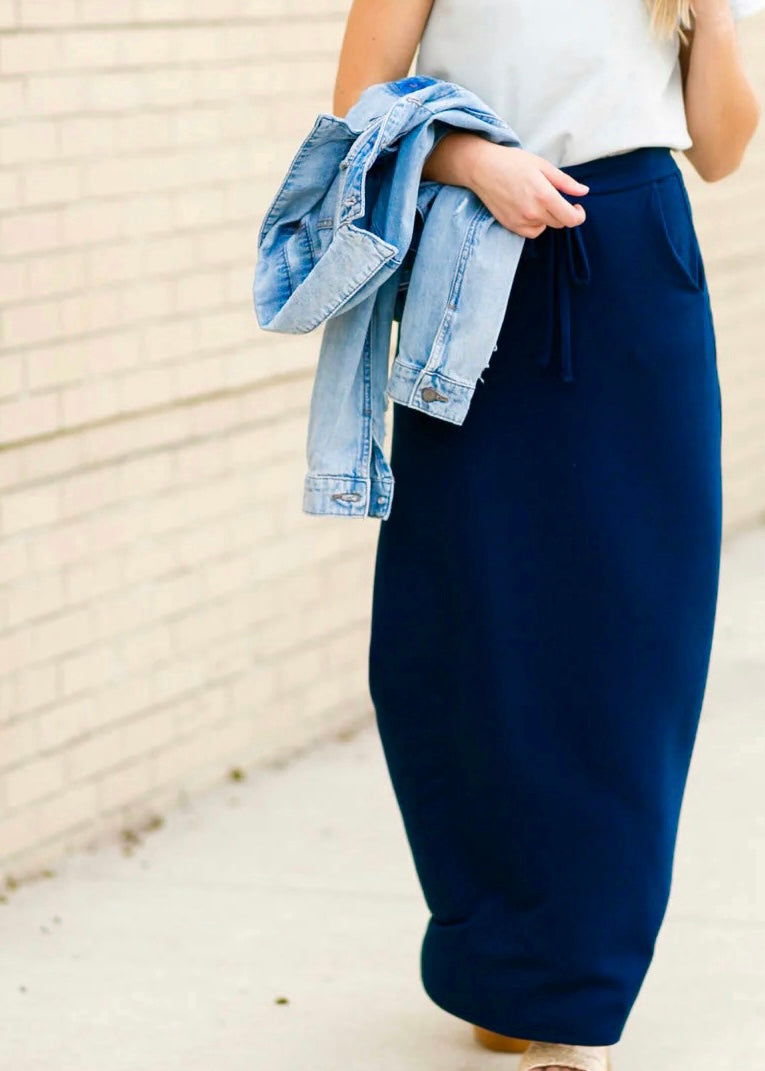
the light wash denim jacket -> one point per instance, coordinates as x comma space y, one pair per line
355, 239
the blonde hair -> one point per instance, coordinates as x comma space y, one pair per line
667, 16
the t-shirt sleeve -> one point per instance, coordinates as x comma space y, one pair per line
742, 8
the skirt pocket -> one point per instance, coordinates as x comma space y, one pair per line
671, 224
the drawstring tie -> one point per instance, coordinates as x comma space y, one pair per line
568, 263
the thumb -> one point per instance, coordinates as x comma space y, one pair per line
561, 180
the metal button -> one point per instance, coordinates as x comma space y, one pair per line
346, 496
431, 395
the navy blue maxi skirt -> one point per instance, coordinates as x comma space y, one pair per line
542, 617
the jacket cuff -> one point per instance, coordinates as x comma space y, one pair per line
430, 392
346, 496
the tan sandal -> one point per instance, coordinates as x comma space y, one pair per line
498, 1042
540, 1055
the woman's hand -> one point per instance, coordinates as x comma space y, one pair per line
520, 189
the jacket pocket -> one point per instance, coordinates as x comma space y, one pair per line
299, 253
672, 227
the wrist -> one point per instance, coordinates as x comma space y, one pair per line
456, 158
474, 151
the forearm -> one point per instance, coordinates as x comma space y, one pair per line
721, 107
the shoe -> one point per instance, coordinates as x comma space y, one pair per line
498, 1042
540, 1055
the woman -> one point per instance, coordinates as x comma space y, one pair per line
545, 584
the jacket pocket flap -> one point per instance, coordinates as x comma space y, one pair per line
334, 284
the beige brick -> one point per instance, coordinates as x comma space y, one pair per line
145, 735
11, 375
167, 341
88, 491
198, 629
10, 468
217, 84
11, 96
103, 12
64, 722
13, 564
143, 475
18, 832
124, 785
10, 190
148, 213
144, 564
200, 208
113, 352
91, 669
33, 597
124, 612
89, 49
88, 222
62, 633
73, 807
148, 300
183, 757
202, 290
89, 402
53, 366
146, 388
96, 753
169, 253
112, 91
51, 548
35, 687
164, 10
19, 740
47, 12
204, 376
52, 184
23, 142
146, 431
199, 461
27, 232
92, 579
49, 457
55, 94
146, 648
26, 324
35, 415
42, 777
145, 47
55, 273
24, 52
86, 135
95, 310
31, 508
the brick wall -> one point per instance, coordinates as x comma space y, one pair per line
166, 609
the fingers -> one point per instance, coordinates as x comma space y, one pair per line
557, 211
560, 179
561, 212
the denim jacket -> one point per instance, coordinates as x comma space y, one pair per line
354, 239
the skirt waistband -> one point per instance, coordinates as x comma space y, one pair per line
620, 171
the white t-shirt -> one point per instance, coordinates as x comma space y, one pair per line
575, 79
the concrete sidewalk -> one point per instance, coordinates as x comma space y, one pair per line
274, 924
